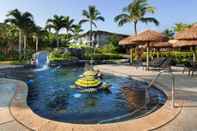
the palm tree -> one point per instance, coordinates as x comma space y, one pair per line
22, 21
36, 33
56, 23
68, 24
135, 12
76, 32
91, 16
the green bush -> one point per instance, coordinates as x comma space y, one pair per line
58, 55
100, 56
13, 55
179, 56
78, 46
19, 62
2, 56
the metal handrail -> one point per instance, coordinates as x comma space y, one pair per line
172, 76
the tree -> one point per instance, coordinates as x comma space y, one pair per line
36, 33
181, 26
91, 16
169, 33
76, 32
22, 21
135, 12
68, 24
56, 23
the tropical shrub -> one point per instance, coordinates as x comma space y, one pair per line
78, 46
111, 46
105, 56
179, 56
58, 55
2, 56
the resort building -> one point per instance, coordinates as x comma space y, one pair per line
101, 37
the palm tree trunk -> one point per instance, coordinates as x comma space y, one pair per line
37, 41
91, 44
91, 33
131, 50
135, 27
25, 44
57, 39
20, 43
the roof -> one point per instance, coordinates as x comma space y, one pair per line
128, 41
144, 38
187, 34
183, 43
161, 45
150, 36
105, 32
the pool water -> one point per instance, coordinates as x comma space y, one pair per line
50, 96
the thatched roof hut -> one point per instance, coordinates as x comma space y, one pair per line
187, 34
150, 36
128, 41
147, 38
144, 38
160, 45
183, 43
186, 38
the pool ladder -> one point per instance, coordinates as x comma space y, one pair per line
172, 77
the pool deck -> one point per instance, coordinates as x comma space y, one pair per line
15, 115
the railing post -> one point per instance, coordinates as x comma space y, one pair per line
172, 85
173, 91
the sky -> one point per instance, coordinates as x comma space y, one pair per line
168, 12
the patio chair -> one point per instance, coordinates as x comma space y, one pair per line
187, 66
167, 64
193, 69
157, 62
139, 63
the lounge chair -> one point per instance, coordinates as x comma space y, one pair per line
157, 62
187, 66
191, 67
167, 64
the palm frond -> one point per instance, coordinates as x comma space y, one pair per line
83, 21
85, 14
94, 24
100, 18
122, 19
150, 20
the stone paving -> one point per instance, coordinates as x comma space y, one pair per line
12, 117
186, 90
7, 122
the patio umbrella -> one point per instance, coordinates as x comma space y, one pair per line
147, 38
186, 38
129, 43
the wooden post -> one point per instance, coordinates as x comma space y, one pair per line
157, 53
131, 55
147, 58
194, 53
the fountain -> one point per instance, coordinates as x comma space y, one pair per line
91, 82
42, 61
